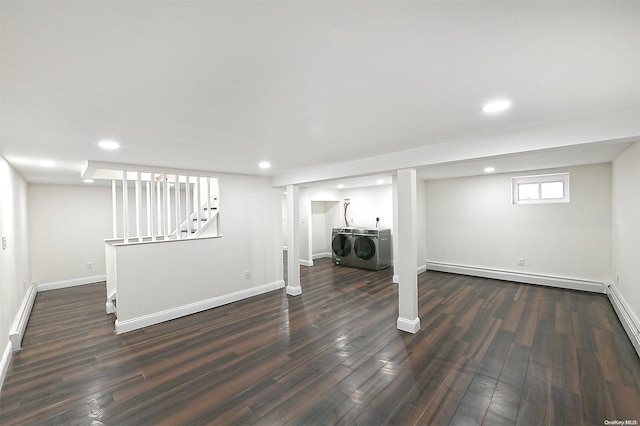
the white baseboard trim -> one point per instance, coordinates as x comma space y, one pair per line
324, 255
420, 270
4, 363
71, 283
410, 326
305, 262
629, 321
192, 308
546, 280
16, 333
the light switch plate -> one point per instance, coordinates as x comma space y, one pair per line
4, 243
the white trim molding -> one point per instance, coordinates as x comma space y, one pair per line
16, 333
410, 326
629, 321
192, 308
305, 262
497, 274
72, 283
324, 255
4, 363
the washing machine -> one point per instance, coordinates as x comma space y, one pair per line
372, 248
342, 246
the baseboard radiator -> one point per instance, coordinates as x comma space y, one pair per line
546, 280
22, 318
628, 320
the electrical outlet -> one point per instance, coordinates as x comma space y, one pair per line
4, 243
89, 265
520, 261
247, 274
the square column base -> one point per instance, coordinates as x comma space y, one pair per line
410, 326
294, 291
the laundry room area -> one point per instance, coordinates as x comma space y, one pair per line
363, 213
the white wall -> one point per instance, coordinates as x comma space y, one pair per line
15, 275
68, 224
471, 222
369, 203
626, 226
325, 215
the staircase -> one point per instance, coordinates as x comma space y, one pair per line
156, 206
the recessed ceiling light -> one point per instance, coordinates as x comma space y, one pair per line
109, 145
87, 180
47, 163
489, 169
264, 165
380, 181
496, 106
340, 186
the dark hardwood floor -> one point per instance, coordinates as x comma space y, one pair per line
489, 352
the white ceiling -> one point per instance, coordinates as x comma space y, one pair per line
322, 90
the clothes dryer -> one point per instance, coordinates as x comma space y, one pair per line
342, 246
372, 248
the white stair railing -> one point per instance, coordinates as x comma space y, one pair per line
175, 206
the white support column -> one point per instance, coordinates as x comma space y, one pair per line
152, 210
408, 319
114, 207
293, 241
394, 241
125, 207
138, 206
176, 190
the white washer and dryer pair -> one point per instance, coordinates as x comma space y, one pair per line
361, 248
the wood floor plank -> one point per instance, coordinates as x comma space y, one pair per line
489, 352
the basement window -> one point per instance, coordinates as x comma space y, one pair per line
551, 188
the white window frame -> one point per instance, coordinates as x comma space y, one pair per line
540, 179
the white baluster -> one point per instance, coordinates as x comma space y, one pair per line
208, 199
165, 205
176, 190
153, 207
125, 207
138, 206
187, 206
114, 207
149, 203
199, 204
159, 206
